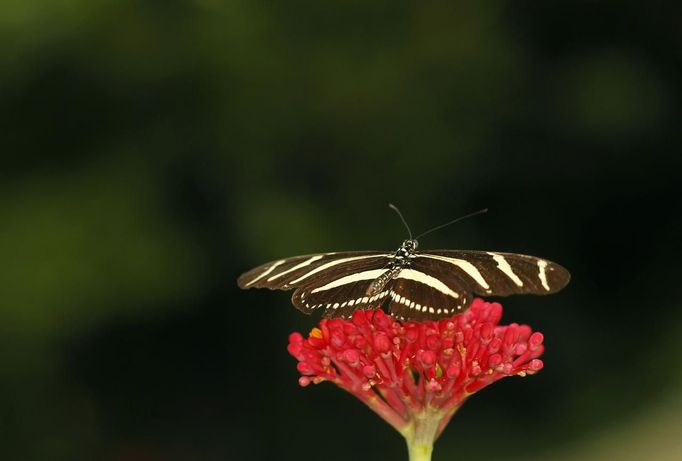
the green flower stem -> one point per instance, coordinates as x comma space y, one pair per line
419, 452
421, 433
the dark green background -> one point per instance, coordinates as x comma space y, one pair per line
152, 151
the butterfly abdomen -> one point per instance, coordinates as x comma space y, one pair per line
380, 282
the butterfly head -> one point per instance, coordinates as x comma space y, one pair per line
407, 249
410, 245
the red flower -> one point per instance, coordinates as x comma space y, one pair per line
415, 375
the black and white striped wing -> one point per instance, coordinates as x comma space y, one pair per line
442, 283
336, 282
499, 274
421, 292
343, 294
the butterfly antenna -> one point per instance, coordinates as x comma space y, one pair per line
484, 210
395, 208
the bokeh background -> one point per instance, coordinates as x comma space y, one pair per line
154, 150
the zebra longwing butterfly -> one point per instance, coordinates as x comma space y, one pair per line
414, 285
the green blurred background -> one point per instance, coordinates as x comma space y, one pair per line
152, 151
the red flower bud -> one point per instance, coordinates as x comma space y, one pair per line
414, 372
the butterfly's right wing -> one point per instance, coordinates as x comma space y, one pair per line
496, 273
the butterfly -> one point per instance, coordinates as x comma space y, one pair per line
413, 285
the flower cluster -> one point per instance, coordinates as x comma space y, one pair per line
415, 375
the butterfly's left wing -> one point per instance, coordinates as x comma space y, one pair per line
335, 282
287, 273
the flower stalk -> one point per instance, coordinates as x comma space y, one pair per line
416, 375
421, 433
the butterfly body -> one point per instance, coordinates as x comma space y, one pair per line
399, 261
413, 285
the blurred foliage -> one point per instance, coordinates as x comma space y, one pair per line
154, 150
